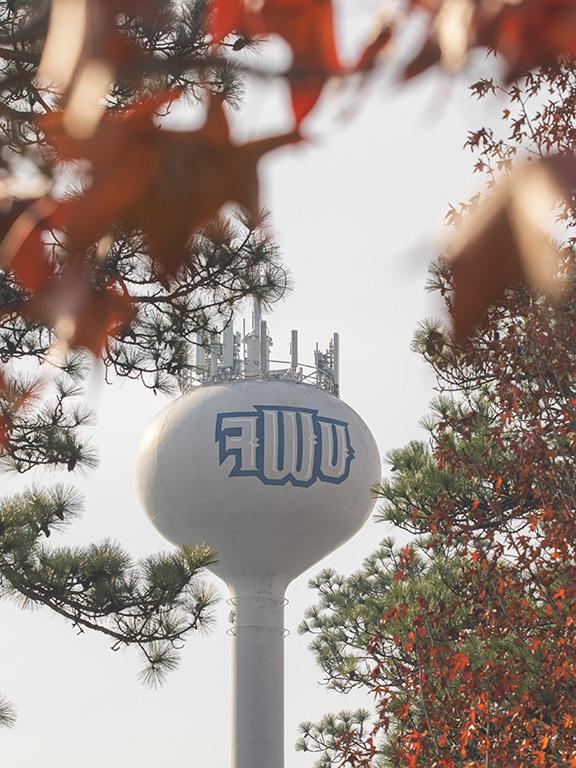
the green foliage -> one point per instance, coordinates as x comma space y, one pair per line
7, 714
46, 426
153, 604
328, 736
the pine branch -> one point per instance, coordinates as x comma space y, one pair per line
154, 605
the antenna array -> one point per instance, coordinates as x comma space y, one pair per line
231, 356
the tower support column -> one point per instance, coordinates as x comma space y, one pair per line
258, 669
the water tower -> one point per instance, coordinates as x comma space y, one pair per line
262, 461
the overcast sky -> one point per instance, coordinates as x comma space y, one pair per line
358, 215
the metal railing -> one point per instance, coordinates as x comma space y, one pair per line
309, 375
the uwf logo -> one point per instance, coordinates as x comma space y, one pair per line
281, 445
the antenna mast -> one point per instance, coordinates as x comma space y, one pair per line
231, 355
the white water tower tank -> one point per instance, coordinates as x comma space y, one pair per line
273, 471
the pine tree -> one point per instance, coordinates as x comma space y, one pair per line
465, 637
155, 604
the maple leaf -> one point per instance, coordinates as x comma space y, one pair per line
429, 55
82, 53
528, 33
375, 48
451, 35
82, 314
308, 28
22, 224
503, 245
531, 33
165, 183
458, 662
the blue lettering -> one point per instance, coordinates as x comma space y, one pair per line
281, 445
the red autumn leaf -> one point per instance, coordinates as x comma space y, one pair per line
429, 55
83, 31
409, 643
528, 33
458, 662
308, 28
82, 53
504, 246
374, 49
81, 314
531, 33
22, 252
452, 28
539, 758
165, 183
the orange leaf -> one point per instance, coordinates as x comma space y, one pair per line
372, 51
458, 662
165, 183
539, 757
308, 28
22, 224
531, 34
82, 52
504, 246
82, 315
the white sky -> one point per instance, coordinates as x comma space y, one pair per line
357, 215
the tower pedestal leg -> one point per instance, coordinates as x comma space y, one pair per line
258, 668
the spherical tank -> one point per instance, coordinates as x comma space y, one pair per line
273, 475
